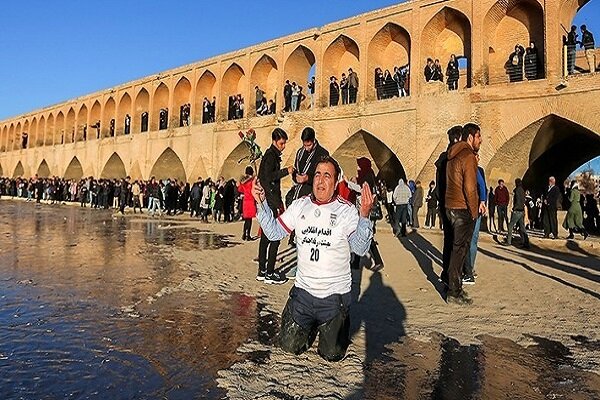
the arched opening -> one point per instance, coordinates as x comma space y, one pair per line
233, 84
236, 162
82, 128
341, 55
11, 137
33, 133
114, 168
386, 164
142, 105
551, 146
298, 68
41, 130
447, 33
18, 133
26, 131
19, 170
569, 9
43, 170
389, 49
74, 170
266, 77
1, 170
95, 123
570, 14
59, 129
160, 108
205, 90
181, 103
511, 23
4, 139
168, 165
49, 134
70, 127
123, 111
108, 124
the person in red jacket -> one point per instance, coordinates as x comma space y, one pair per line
248, 203
502, 198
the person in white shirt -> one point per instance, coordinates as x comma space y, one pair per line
328, 229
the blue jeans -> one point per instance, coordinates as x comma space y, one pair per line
469, 267
154, 205
401, 219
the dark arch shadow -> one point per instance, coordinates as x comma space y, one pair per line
114, 168
168, 165
19, 170
364, 144
74, 170
43, 170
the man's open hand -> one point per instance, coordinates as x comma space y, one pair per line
257, 191
366, 201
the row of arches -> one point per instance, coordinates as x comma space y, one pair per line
551, 145
449, 31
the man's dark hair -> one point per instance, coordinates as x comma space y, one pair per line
469, 129
583, 27
518, 182
454, 134
500, 181
278, 134
308, 134
332, 161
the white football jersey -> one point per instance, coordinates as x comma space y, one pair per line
322, 232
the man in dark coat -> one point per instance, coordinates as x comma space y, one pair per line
550, 209
124, 194
454, 135
287, 96
270, 174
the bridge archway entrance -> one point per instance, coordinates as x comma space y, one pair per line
265, 75
343, 53
142, 104
507, 24
386, 164
43, 170
114, 168
205, 88
74, 170
181, 97
232, 84
168, 165
389, 48
447, 33
551, 146
236, 162
297, 69
19, 170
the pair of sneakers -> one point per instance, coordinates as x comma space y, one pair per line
272, 279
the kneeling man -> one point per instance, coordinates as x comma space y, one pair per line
328, 229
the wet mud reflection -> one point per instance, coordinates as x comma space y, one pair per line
495, 369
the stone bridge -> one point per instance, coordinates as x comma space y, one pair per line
530, 128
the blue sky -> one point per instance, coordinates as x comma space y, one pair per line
52, 51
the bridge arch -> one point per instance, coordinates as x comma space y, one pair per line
110, 108
265, 75
18, 132
82, 119
448, 32
552, 145
41, 130
234, 82
4, 139
123, 109
181, 95
297, 69
1, 170
142, 105
33, 132
95, 115
114, 168
341, 54
70, 127
168, 165
26, 130
234, 164
568, 10
49, 135
386, 163
205, 87
389, 48
11, 137
160, 99
43, 170
19, 171
508, 23
74, 170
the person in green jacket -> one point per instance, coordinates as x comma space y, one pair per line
574, 220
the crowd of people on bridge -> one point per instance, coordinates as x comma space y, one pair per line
388, 86
347, 88
433, 72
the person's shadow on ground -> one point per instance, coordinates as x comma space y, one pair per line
426, 255
381, 314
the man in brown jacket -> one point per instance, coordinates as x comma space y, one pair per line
462, 205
